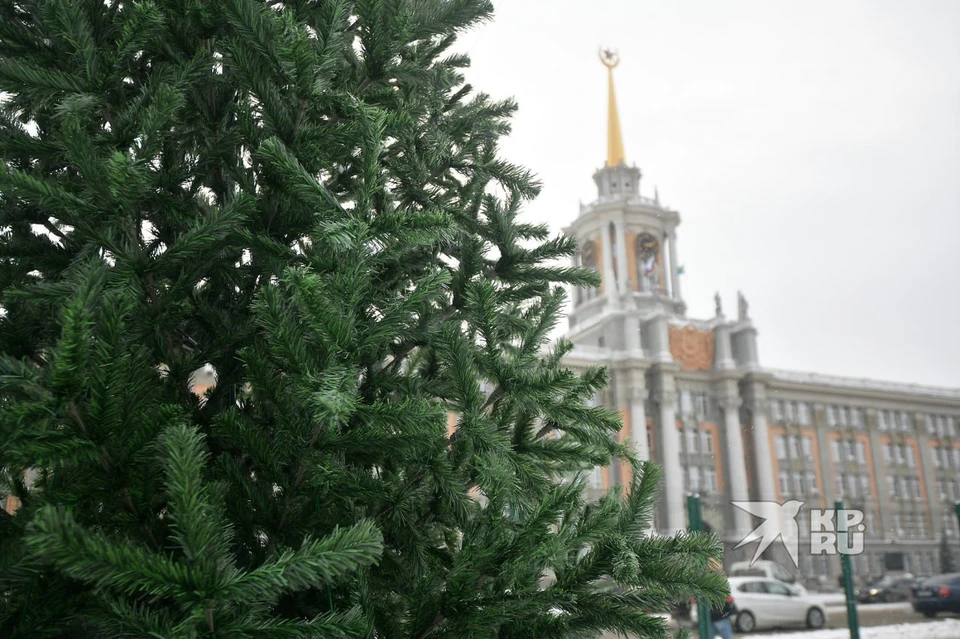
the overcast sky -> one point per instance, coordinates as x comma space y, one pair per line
812, 150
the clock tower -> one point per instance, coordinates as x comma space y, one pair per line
631, 240
636, 325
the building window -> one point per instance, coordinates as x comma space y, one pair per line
835, 448
691, 439
865, 485
882, 420
861, 453
776, 411
892, 483
686, 403
710, 480
935, 454
948, 522
831, 416
842, 415
784, 483
791, 411
780, 446
910, 460
694, 479
701, 405
807, 443
903, 421
706, 442
848, 449
798, 486
794, 447
856, 418
812, 487
803, 413
942, 488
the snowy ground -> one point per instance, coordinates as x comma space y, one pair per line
943, 629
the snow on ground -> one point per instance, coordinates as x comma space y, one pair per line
943, 629
899, 606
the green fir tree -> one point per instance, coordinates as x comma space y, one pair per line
305, 197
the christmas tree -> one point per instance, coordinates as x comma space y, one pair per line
306, 200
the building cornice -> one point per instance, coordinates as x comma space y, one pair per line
875, 389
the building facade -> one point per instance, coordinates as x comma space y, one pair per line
695, 398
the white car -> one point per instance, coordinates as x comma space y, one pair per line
766, 570
770, 603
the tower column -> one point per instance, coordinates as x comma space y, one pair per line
674, 276
638, 413
667, 261
623, 278
609, 281
757, 405
669, 445
723, 354
575, 291
736, 462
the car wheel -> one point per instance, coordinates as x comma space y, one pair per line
930, 613
815, 618
746, 621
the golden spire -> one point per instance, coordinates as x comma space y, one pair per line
615, 154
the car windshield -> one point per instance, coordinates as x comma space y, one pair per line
943, 580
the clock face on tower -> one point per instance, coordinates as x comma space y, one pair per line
647, 247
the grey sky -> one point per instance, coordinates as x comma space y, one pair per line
812, 150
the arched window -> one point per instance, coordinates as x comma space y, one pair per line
588, 260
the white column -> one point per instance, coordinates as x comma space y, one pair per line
623, 278
638, 421
638, 414
669, 445
737, 463
575, 290
674, 277
609, 283
666, 260
761, 447
723, 358
632, 326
